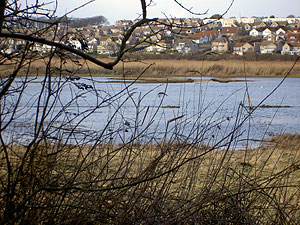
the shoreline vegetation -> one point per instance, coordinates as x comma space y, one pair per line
200, 68
176, 70
259, 185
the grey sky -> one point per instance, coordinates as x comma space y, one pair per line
130, 9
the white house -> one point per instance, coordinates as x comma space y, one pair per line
185, 46
160, 47
291, 48
9, 45
280, 34
280, 19
270, 47
244, 47
222, 44
279, 31
247, 19
205, 36
92, 44
256, 32
269, 34
74, 43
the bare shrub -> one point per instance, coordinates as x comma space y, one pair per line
55, 169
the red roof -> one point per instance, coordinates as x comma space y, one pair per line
294, 36
295, 30
229, 30
203, 34
239, 44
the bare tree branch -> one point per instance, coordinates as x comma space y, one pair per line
144, 10
201, 14
109, 66
2, 10
190, 9
58, 45
76, 149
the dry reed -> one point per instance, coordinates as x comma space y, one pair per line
169, 68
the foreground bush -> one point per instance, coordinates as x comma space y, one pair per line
166, 183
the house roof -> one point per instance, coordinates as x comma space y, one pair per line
267, 43
272, 29
279, 23
295, 30
245, 24
282, 28
293, 44
260, 24
91, 27
229, 30
221, 40
293, 36
125, 21
296, 44
239, 44
184, 40
103, 39
282, 23
259, 29
288, 43
205, 33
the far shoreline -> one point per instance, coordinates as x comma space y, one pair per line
168, 68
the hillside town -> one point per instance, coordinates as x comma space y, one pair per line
237, 36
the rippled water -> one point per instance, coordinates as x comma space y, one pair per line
209, 107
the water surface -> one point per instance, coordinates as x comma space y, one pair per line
205, 111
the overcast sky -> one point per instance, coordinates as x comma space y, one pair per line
129, 9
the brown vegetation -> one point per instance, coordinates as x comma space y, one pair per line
57, 168
223, 68
157, 183
169, 68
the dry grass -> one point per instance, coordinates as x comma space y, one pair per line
137, 183
168, 68
224, 68
163, 68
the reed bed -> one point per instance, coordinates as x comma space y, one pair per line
224, 68
169, 68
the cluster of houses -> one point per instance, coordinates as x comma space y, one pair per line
187, 36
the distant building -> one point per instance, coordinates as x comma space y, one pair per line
291, 48
229, 31
92, 45
270, 47
269, 34
158, 47
293, 34
256, 32
206, 36
243, 47
185, 46
124, 23
282, 19
222, 44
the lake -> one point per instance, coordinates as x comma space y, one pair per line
95, 109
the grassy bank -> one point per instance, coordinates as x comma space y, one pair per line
162, 183
222, 69
170, 67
